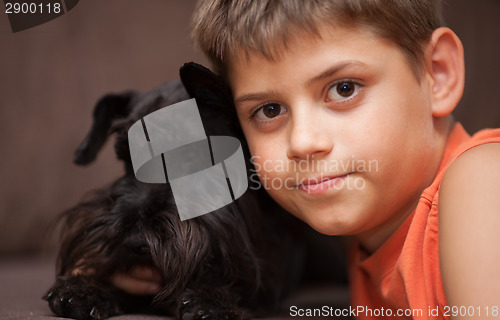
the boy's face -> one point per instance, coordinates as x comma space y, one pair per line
341, 131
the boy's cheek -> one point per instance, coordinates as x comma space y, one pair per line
273, 175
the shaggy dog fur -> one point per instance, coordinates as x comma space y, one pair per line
221, 265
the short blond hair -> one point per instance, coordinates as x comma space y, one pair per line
222, 28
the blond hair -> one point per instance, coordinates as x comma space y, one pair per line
222, 28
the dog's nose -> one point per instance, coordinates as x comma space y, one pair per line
137, 246
142, 249
139, 250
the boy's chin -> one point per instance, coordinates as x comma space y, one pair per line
329, 223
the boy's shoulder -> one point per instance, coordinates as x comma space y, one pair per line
472, 175
471, 163
469, 224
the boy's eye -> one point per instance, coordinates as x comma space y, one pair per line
342, 90
345, 89
269, 111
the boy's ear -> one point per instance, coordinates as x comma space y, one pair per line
445, 59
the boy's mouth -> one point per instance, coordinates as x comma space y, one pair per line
322, 184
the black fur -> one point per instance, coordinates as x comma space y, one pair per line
229, 264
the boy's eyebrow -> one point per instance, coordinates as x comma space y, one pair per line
254, 96
334, 69
325, 74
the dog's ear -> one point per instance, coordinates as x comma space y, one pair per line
214, 99
204, 85
108, 109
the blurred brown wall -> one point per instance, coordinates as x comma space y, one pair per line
52, 75
477, 23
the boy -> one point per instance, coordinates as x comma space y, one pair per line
346, 106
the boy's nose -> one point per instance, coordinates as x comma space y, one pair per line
308, 136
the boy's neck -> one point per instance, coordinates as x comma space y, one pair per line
373, 239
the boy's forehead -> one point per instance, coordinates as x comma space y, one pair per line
295, 39
335, 44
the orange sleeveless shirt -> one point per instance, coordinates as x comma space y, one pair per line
403, 276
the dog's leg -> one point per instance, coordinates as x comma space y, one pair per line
209, 303
83, 297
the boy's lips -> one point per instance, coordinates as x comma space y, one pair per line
321, 184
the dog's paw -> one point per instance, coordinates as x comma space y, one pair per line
197, 307
82, 298
208, 312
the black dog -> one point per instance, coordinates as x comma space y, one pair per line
221, 265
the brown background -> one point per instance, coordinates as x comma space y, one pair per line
52, 75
